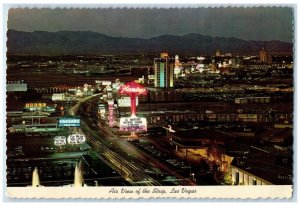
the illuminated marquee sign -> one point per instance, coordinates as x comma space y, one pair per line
69, 122
16, 86
35, 105
127, 89
248, 117
15, 82
111, 117
60, 140
76, 139
133, 124
125, 102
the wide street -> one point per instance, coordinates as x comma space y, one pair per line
133, 164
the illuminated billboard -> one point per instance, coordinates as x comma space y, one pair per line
76, 139
58, 97
111, 117
125, 102
60, 140
35, 105
69, 122
104, 83
133, 124
248, 117
16, 86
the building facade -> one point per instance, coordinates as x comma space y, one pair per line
262, 56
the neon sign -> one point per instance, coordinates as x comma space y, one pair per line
127, 89
76, 139
133, 89
69, 122
60, 140
133, 124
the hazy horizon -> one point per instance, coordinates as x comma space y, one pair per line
254, 23
148, 37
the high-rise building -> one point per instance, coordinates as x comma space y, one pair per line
177, 68
163, 72
213, 68
236, 61
218, 53
177, 62
262, 56
269, 59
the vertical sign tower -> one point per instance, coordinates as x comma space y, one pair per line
133, 123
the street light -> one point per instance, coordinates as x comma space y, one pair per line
193, 176
96, 183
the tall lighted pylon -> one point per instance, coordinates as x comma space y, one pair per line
133, 123
133, 89
111, 119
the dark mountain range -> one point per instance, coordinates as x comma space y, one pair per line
92, 43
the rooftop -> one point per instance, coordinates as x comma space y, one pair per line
268, 163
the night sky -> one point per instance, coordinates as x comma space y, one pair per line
246, 23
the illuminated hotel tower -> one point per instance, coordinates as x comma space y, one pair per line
218, 53
177, 64
163, 72
263, 56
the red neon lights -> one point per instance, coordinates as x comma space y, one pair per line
133, 89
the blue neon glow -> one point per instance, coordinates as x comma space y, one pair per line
162, 74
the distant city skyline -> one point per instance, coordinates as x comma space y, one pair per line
257, 23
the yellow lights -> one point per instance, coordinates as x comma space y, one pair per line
164, 55
33, 105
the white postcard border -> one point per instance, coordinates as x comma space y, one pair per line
210, 192
190, 192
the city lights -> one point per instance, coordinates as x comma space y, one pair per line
176, 109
